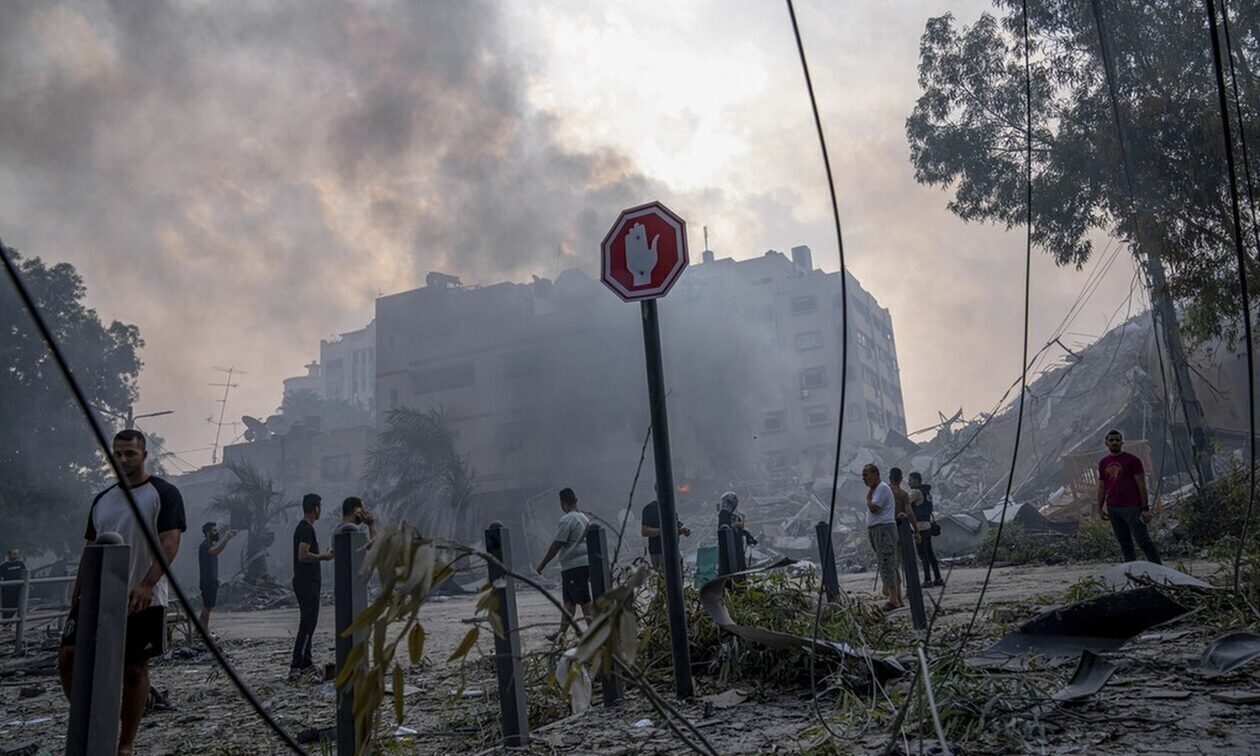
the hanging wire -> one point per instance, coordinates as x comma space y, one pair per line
1023, 378
1210, 7
844, 351
150, 538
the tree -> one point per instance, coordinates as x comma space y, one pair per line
51, 463
253, 502
417, 474
966, 134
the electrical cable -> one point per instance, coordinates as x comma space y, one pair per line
1242, 131
1019, 418
150, 538
844, 350
1210, 7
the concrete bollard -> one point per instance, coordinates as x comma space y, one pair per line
96, 693
910, 566
726, 550
349, 600
601, 582
513, 712
24, 600
827, 562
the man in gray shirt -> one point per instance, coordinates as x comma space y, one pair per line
575, 573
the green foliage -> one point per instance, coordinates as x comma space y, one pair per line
1213, 518
50, 460
253, 502
966, 135
1092, 542
417, 474
775, 601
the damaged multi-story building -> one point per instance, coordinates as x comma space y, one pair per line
543, 384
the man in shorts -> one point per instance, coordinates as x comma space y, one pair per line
162, 509
575, 572
208, 565
881, 527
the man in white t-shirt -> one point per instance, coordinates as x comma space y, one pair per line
162, 509
881, 526
575, 572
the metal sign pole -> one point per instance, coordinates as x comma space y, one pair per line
670, 556
910, 567
24, 599
96, 690
349, 599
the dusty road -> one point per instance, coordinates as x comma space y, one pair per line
209, 717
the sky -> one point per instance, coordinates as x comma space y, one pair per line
242, 180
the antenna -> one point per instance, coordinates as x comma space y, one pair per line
227, 386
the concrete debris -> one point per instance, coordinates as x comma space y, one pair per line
1237, 696
1228, 653
1092, 673
1136, 574
1103, 623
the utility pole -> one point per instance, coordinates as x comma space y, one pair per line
132, 418
227, 386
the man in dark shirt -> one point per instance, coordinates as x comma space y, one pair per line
651, 530
306, 583
208, 562
1122, 498
13, 569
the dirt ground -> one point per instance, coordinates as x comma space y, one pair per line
1153, 704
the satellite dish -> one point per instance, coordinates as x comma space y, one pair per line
255, 430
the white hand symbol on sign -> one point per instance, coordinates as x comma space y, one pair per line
640, 258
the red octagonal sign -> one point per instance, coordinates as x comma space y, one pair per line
644, 253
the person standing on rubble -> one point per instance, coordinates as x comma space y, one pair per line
1122, 498
306, 583
161, 507
921, 504
650, 529
729, 516
208, 567
881, 528
575, 570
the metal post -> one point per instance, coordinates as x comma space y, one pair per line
827, 561
741, 551
601, 582
670, 555
349, 600
507, 649
726, 550
96, 691
24, 598
910, 566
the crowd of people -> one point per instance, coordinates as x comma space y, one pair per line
1123, 501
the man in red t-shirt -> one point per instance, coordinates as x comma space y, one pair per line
1122, 498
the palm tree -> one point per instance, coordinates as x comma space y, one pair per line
417, 474
252, 501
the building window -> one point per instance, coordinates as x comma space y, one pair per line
774, 422
511, 437
335, 468
334, 379
871, 375
875, 414
442, 378
812, 378
363, 365
809, 340
520, 365
774, 461
853, 412
817, 416
803, 305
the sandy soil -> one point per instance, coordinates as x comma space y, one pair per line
209, 717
